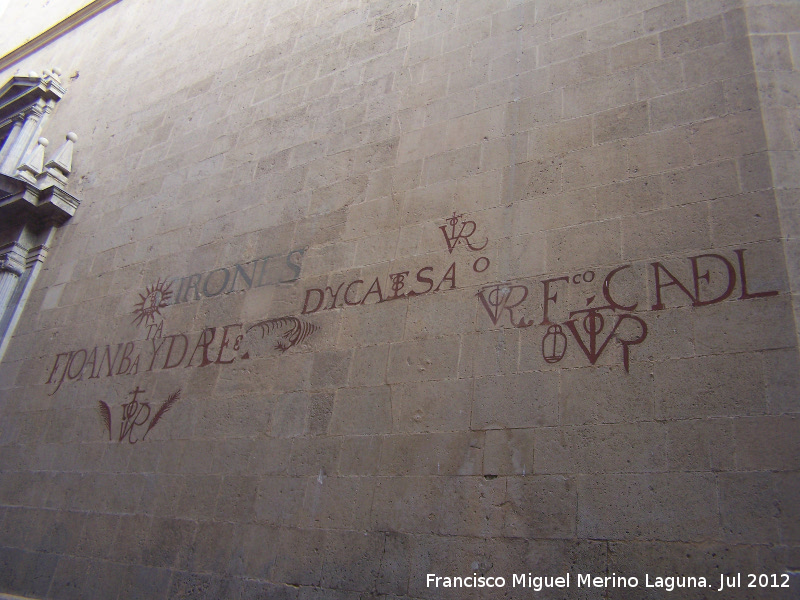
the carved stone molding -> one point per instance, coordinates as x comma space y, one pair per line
33, 198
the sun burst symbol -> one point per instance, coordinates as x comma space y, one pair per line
152, 301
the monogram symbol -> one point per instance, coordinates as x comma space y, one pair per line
499, 299
398, 283
155, 298
466, 231
135, 414
554, 344
594, 323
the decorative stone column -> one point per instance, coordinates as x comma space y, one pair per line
33, 197
26, 135
12, 266
28, 102
12, 136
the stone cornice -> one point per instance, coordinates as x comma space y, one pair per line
74, 20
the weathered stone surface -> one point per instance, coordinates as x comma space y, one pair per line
448, 288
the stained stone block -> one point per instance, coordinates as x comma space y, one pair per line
708, 182
362, 411
692, 36
525, 400
661, 151
670, 230
300, 557
690, 445
644, 506
739, 494
103, 579
144, 582
423, 361
187, 585
693, 388
613, 448
314, 456
782, 376
627, 121
707, 559
355, 560
168, 541
779, 456
431, 406
607, 402
695, 104
509, 452
586, 245
596, 95
732, 135
98, 535
541, 507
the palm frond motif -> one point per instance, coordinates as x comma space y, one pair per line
297, 330
172, 399
105, 414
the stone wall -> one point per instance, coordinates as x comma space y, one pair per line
360, 292
24, 20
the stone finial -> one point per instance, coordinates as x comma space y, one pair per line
59, 167
33, 165
53, 74
62, 159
